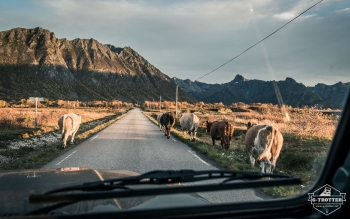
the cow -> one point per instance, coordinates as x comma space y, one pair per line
158, 120
167, 121
69, 125
264, 143
220, 130
189, 122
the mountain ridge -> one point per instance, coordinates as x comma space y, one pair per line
241, 89
35, 63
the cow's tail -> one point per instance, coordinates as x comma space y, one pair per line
267, 152
63, 124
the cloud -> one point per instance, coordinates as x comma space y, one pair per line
286, 15
343, 10
188, 39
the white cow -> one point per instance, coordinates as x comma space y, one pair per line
189, 122
158, 120
69, 125
264, 143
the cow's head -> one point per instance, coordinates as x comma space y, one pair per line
250, 124
208, 125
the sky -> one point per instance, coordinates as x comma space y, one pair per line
190, 39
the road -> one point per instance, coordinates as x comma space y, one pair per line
134, 143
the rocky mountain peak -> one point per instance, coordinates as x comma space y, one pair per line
239, 78
81, 69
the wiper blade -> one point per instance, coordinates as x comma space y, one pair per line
167, 177
163, 177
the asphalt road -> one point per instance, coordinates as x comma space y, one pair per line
134, 143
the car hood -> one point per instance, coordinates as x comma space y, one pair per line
18, 185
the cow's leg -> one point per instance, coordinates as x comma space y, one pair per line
72, 139
185, 133
64, 139
194, 135
262, 165
213, 138
168, 134
252, 160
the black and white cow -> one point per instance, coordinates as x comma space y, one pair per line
167, 121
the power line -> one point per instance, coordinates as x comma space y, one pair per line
260, 40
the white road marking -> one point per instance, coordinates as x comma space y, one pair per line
173, 139
66, 157
191, 152
94, 138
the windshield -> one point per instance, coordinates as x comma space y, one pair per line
91, 88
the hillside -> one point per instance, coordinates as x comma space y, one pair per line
243, 90
33, 62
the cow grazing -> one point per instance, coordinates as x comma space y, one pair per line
189, 122
220, 130
264, 143
158, 120
69, 125
167, 121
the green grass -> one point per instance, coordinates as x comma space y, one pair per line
28, 158
300, 157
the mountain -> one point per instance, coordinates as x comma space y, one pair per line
33, 62
241, 89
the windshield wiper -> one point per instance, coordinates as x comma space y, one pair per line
101, 189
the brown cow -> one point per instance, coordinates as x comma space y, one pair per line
220, 130
264, 143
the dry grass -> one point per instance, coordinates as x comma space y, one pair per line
19, 122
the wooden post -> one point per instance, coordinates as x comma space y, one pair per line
36, 99
176, 99
36, 109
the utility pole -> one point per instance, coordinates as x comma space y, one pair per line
176, 99
160, 103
